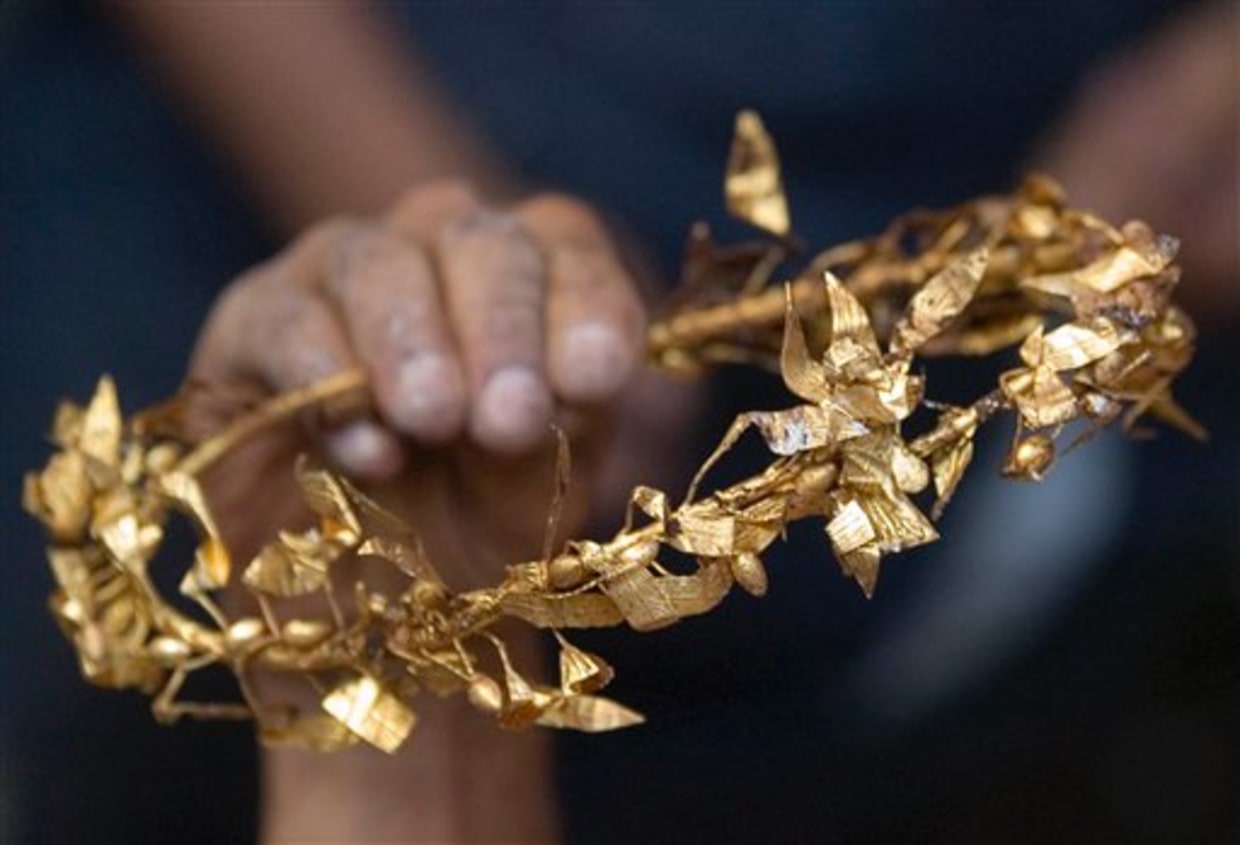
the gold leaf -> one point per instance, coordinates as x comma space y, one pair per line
60, 497
651, 502
186, 492
1073, 345
749, 572
850, 528
949, 467
697, 533
67, 425
1040, 395
325, 494
292, 566
692, 595
898, 523
802, 428
940, 301
802, 375
100, 434
589, 713
372, 713
581, 610
862, 565
849, 322
581, 671
753, 188
310, 732
73, 571
640, 599
409, 558
910, 471
129, 540
213, 564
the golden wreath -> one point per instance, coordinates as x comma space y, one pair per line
1099, 342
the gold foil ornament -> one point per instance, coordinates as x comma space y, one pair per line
1088, 307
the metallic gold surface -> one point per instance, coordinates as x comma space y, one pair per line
1087, 306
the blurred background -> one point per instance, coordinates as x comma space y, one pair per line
1063, 667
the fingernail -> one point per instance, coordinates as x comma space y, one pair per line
596, 362
430, 397
366, 450
513, 410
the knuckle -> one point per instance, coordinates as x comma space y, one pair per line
580, 272
562, 210
492, 239
450, 195
357, 252
452, 191
486, 224
328, 233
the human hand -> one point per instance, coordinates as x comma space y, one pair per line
472, 323
1153, 134
475, 326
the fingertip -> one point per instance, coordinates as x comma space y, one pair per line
592, 362
426, 397
513, 411
365, 450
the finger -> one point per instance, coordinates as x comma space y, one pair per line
424, 213
385, 292
594, 314
494, 284
273, 328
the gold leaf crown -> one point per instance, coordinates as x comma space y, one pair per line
1099, 342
